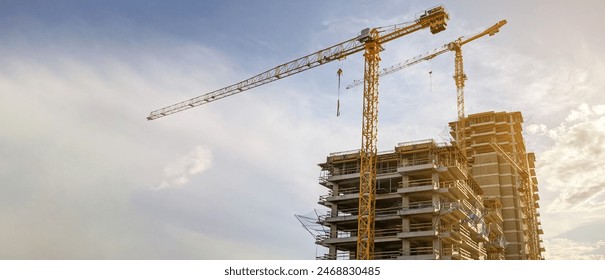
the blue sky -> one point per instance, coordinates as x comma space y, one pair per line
84, 175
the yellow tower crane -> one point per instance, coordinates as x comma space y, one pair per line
370, 41
459, 75
460, 78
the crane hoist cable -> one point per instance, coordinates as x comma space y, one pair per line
431, 80
339, 73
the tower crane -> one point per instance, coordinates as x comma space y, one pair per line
370, 41
459, 75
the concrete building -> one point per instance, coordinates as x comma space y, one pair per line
434, 201
504, 169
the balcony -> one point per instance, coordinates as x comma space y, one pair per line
380, 255
495, 215
419, 207
470, 244
338, 256
455, 189
417, 186
496, 255
483, 131
454, 166
454, 252
339, 173
498, 243
453, 209
416, 165
349, 238
343, 194
387, 255
450, 233
420, 253
341, 239
343, 215
419, 230
386, 170
464, 233
481, 232
350, 215
451, 253
496, 229
323, 199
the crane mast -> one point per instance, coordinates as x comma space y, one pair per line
370, 41
367, 154
460, 78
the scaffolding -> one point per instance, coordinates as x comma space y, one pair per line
427, 206
436, 201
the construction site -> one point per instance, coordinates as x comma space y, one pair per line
473, 198
435, 201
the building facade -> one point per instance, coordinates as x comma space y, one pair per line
504, 169
434, 201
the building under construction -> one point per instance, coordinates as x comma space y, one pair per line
471, 200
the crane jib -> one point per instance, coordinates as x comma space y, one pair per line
434, 18
432, 54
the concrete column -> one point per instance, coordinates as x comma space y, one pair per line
435, 177
405, 221
435, 198
333, 228
405, 224
405, 246
332, 251
334, 207
334, 189
437, 247
405, 181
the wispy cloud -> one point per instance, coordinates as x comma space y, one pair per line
566, 249
180, 171
573, 166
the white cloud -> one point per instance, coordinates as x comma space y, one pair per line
536, 129
573, 165
584, 112
566, 249
179, 172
